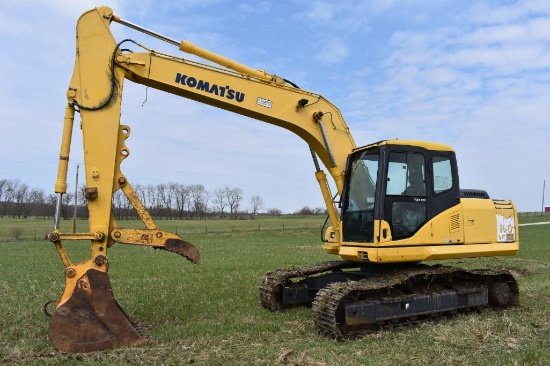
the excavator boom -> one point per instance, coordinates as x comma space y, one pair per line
87, 316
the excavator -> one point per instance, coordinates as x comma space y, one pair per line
398, 202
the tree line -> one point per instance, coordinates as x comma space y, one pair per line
164, 201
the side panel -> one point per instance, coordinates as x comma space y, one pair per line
480, 222
448, 226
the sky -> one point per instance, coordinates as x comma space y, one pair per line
473, 74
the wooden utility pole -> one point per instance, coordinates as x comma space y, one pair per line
543, 189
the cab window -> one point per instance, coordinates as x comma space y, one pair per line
358, 208
406, 175
443, 178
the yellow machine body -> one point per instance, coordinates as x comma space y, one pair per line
466, 231
470, 228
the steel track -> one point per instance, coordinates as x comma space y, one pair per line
396, 297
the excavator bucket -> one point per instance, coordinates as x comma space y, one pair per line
91, 319
87, 318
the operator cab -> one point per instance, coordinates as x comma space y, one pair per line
405, 183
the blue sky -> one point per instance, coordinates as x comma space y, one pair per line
472, 74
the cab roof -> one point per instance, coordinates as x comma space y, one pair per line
417, 143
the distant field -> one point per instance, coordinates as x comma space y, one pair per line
209, 314
36, 229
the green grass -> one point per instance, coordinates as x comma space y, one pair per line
209, 314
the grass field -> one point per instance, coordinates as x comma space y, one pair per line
209, 314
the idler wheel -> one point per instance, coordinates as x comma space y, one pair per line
499, 293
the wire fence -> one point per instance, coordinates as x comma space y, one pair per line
36, 230
534, 213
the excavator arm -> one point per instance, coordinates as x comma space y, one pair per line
87, 316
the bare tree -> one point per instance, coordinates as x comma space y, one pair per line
151, 196
320, 211
234, 198
37, 198
22, 202
66, 201
163, 199
306, 210
220, 200
274, 212
51, 200
257, 204
182, 195
10, 187
3, 192
117, 204
199, 198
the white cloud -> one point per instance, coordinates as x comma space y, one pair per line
257, 7
472, 74
481, 86
487, 13
332, 51
533, 31
320, 11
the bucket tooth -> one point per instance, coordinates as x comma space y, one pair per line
91, 319
183, 248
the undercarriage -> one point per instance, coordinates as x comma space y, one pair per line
350, 299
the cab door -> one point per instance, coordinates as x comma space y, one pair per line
419, 184
406, 199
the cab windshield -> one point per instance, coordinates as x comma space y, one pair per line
359, 201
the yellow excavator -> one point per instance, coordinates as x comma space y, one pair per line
399, 202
